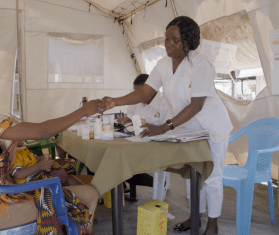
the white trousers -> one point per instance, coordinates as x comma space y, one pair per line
212, 190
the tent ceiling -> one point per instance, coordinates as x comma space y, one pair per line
121, 8
234, 29
109, 4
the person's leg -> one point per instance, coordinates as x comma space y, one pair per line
18, 214
186, 225
88, 196
126, 189
212, 190
141, 179
62, 175
214, 185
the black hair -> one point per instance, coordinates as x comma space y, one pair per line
141, 79
189, 31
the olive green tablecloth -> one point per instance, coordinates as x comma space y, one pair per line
115, 161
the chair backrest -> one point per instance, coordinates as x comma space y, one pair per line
55, 187
262, 133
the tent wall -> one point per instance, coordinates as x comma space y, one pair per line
38, 18
43, 100
8, 45
263, 16
262, 20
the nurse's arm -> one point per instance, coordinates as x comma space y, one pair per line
187, 113
138, 96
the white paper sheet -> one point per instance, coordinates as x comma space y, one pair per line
137, 123
137, 138
177, 135
220, 55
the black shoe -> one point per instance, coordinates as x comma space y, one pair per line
181, 227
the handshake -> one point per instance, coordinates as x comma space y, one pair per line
98, 106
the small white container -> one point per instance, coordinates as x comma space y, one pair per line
85, 132
137, 124
107, 130
98, 129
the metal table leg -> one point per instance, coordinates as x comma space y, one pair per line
117, 215
195, 201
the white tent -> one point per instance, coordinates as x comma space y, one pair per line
125, 31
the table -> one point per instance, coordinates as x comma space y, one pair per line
117, 160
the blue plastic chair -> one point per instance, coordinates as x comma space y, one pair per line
58, 200
263, 138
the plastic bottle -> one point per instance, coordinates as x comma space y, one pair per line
107, 130
98, 129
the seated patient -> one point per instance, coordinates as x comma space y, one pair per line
26, 163
23, 208
155, 111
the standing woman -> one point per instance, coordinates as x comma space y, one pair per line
188, 86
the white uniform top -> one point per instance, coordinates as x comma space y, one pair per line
194, 77
157, 112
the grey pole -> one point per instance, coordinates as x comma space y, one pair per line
195, 201
117, 214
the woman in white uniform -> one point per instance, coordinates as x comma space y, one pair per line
187, 81
154, 111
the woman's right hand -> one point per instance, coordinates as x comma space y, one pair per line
46, 165
108, 102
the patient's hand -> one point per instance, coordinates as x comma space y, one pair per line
43, 157
92, 107
45, 165
108, 102
123, 120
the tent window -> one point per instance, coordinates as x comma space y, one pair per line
246, 84
15, 102
228, 32
75, 61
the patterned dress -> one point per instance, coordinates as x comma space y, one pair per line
47, 220
7, 154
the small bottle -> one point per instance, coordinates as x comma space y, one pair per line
91, 132
84, 100
107, 130
98, 129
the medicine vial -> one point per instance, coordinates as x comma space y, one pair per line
91, 131
98, 129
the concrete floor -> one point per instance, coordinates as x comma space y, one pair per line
179, 207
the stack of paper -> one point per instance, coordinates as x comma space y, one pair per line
177, 135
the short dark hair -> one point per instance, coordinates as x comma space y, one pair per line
141, 79
189, 31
